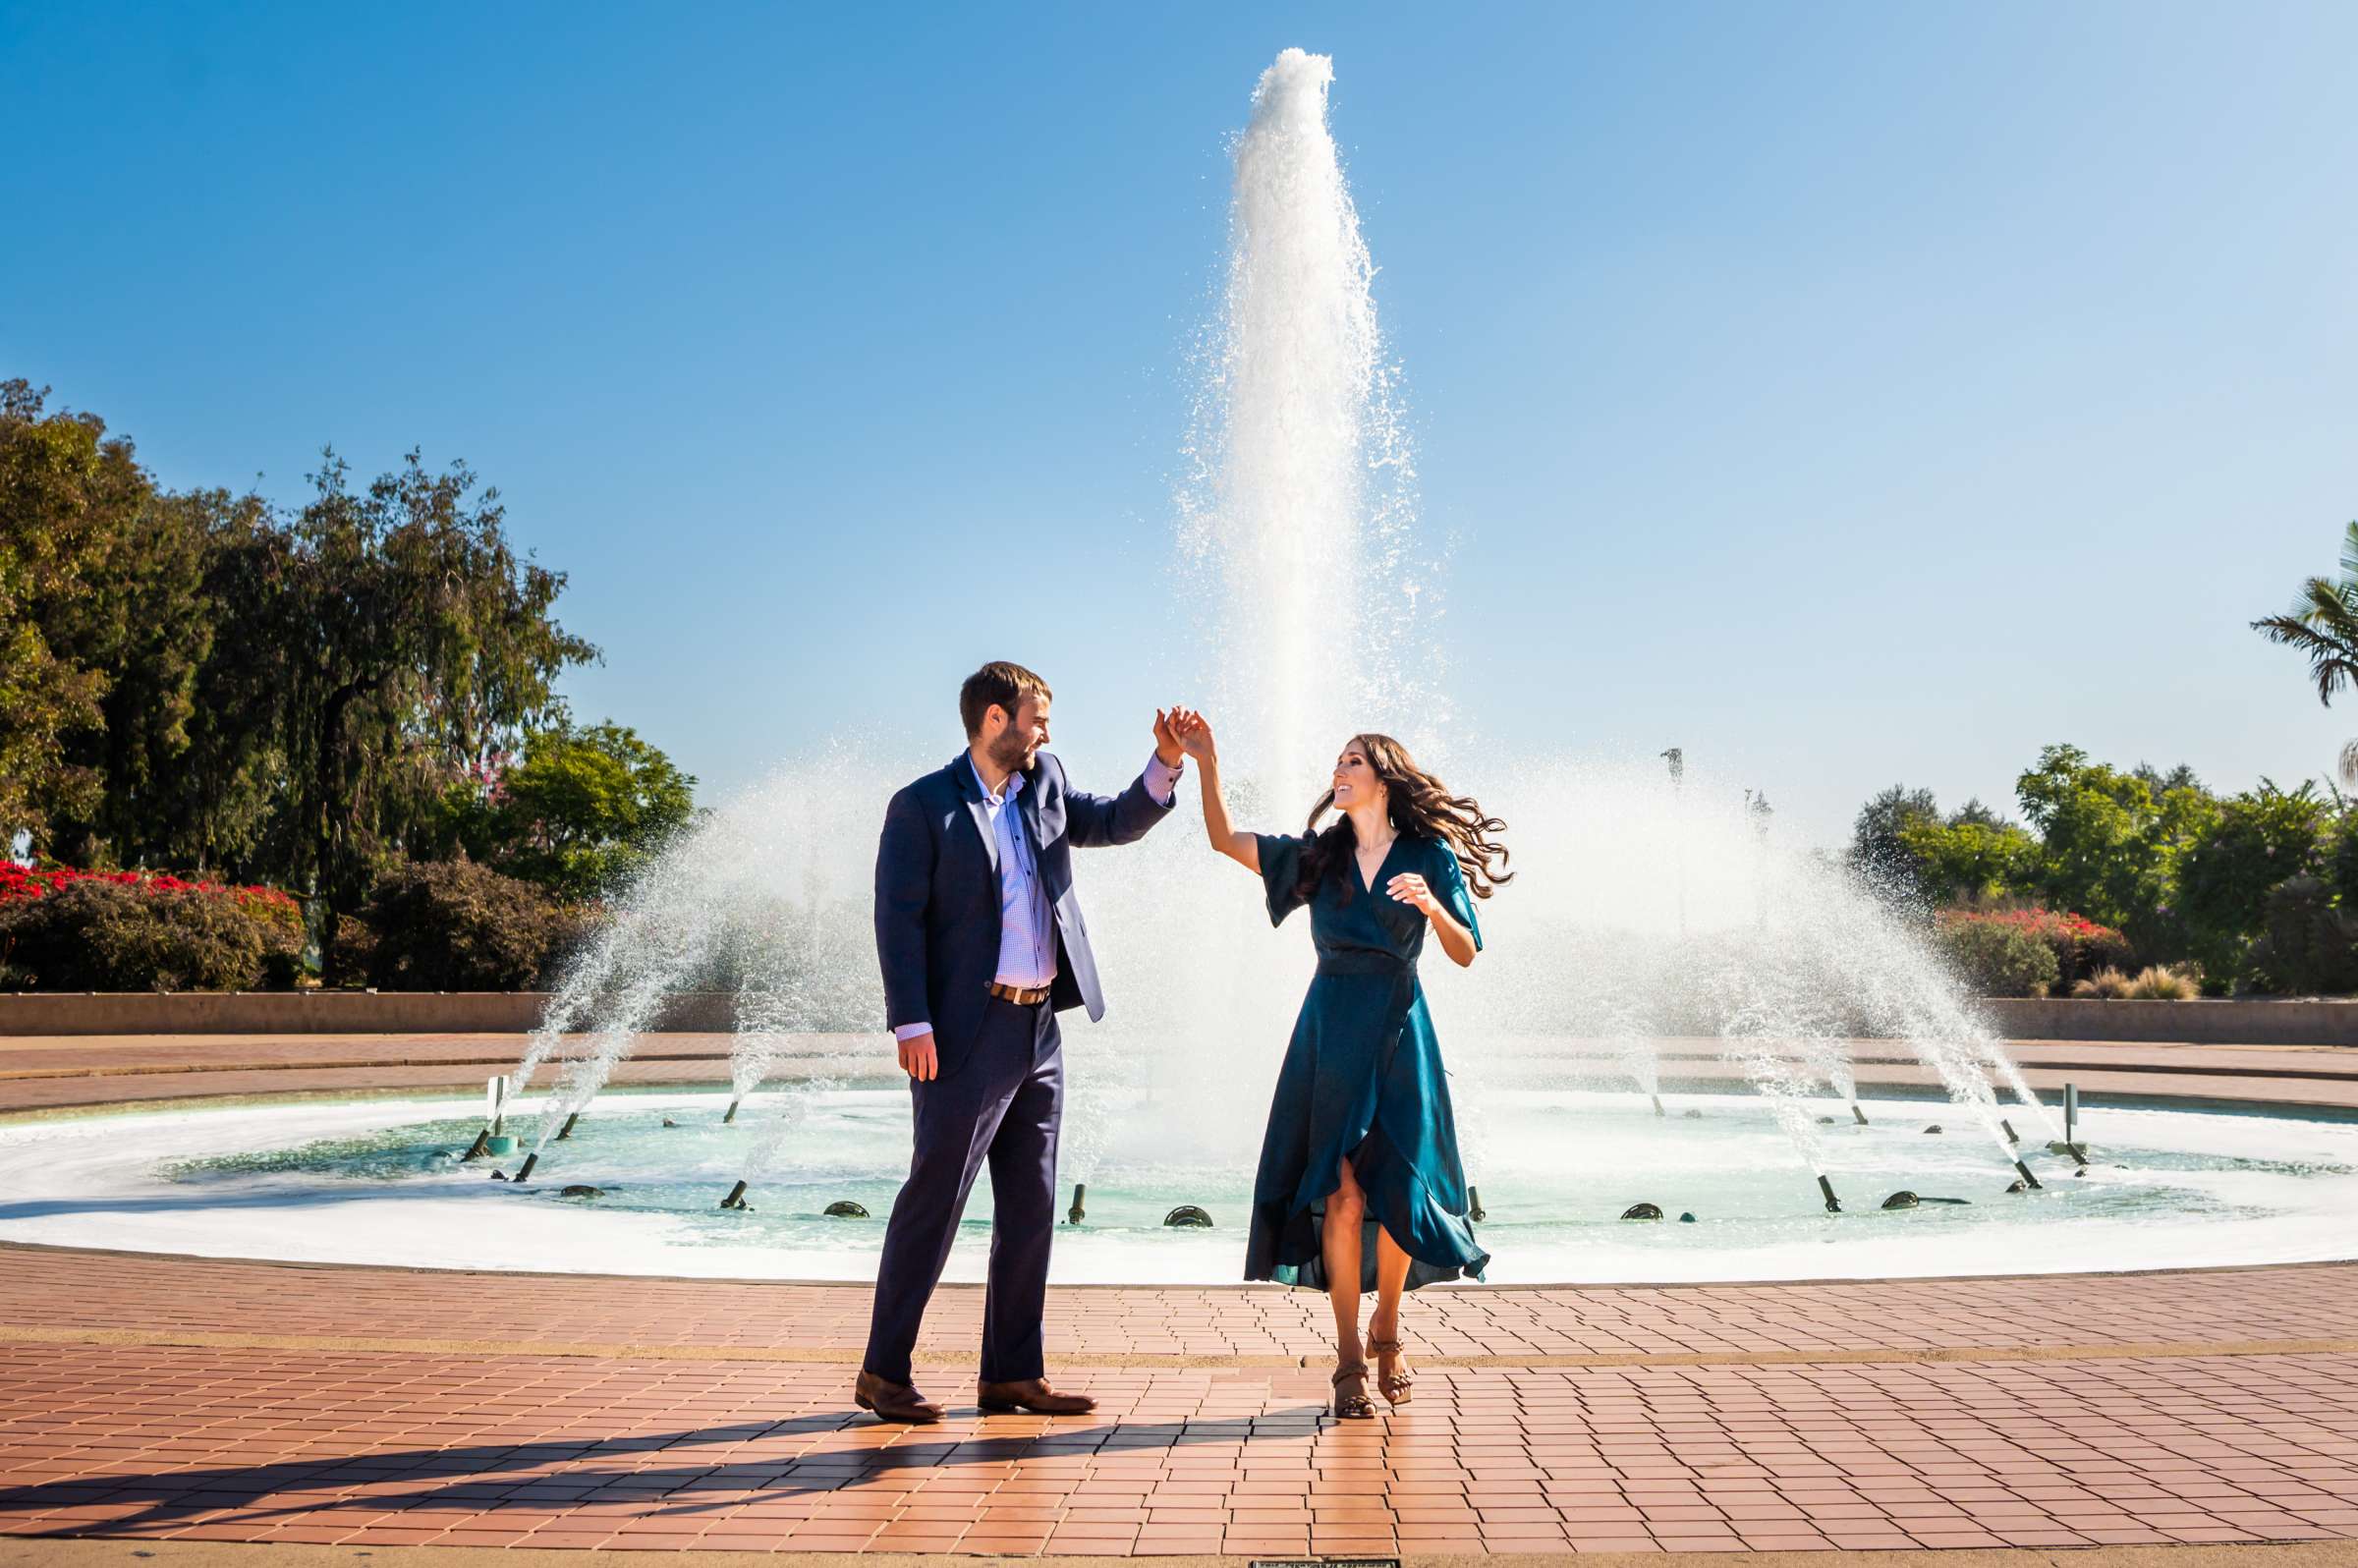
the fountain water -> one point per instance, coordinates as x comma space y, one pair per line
1644, 907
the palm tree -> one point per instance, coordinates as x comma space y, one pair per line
2322, 623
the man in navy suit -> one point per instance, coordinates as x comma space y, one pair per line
981, 943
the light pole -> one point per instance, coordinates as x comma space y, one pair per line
1676, 757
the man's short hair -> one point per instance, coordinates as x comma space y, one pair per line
1002, 683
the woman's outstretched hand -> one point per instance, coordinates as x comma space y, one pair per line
1194, 733
1410, 888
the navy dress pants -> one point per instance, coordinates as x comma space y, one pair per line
1004, 1105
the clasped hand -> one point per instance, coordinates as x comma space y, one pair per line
1172, 726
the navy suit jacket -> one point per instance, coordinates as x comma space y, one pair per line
937, 893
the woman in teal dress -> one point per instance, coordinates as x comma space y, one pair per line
1360, 1187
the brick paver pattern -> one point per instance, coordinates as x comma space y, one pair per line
221, 1400
372, 1406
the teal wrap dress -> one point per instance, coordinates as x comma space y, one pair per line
1362, 1079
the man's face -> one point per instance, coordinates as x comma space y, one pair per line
1014, 746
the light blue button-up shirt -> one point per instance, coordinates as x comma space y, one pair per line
1027, 923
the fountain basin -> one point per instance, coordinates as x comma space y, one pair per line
377, 1181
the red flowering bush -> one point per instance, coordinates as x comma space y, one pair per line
2081, 946
1998, 960
68, 929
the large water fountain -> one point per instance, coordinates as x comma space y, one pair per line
1667, 1011
1645, 906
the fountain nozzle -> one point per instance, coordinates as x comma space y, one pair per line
530, 1160
2028, 1180
1076, 1214
566, 1131
2013, 1136
476, 1149
1833, 1204
1473, 1205
1658, 1104
1857, 1114
732, 1115
735, 1197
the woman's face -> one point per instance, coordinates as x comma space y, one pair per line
1355, 780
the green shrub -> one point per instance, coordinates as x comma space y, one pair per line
461, 926
99, 935
2252, 844
353, 954
1999, 959
2307, 946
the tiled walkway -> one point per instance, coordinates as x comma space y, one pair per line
226, 1401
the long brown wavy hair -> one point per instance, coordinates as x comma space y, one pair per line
1417, 804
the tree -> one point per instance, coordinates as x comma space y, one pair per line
2323, 624
2253, 842
1878, 850
156, 628
1975, 812
68, 495
584, 809
2180, 777
109, 749
1967, 860
409, 643
2110, 847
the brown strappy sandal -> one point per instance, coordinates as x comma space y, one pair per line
1353, 1406
1397, 1386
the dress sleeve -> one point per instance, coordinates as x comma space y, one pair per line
1280, 870
1458, 899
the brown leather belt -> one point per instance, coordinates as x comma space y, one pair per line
1020, 995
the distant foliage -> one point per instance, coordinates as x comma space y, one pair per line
67, 930
1880, 854
2140, 870
2247, 845
307, 696
97, 933
2110, 841
2308, 946
459, 926
1995, 958
581, 811
1966, 862
2081, 947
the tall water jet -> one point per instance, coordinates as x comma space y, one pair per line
1302, 469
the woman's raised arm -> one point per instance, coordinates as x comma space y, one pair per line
1195, 739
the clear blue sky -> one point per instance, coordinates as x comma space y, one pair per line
1851, 394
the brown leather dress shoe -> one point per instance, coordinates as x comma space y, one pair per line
1033, 1394
893, 1401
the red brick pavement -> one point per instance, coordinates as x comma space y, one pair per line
213, 1400
399, 1448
